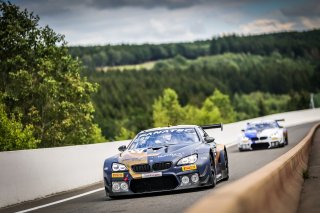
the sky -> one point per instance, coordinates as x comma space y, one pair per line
100, 22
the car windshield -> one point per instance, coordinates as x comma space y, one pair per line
164, 137
259, 126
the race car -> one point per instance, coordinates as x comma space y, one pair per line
263, 134
166, 159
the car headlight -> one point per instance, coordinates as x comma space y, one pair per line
275, 136
245, 139
188, 160
118, 167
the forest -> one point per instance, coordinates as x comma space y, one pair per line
256, 85
261, 74
53, 95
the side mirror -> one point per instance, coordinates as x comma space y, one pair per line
209, 139
122, 148
242, 130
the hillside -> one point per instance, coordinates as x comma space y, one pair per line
125, 99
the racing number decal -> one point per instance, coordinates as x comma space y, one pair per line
190, 167
117, 175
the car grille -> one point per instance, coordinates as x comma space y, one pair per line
256, 138
161, 166
141, 168
260, 146
153, 184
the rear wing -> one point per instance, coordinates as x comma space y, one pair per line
277, 120
213, 126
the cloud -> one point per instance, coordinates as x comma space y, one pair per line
125, 25
310, 23
46, 7
56, 6
309, 8
169, 4
266, 26
89, 22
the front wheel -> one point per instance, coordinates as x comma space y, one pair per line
226, 167
213, 178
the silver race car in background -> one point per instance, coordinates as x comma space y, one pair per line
263, 134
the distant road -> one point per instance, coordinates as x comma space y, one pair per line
241, 164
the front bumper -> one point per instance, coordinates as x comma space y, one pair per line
258, 144
196, 175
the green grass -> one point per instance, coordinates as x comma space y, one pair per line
181, 62
147, 65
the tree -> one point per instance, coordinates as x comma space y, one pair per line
167, 110
209, 113
13, 135
223, 103
124, 134
41, 81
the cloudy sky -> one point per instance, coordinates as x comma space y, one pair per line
98, 22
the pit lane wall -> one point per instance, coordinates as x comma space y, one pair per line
31, 174
275, 187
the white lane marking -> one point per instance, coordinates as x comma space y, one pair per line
61, 201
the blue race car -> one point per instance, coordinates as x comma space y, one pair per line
263, 134
165, 159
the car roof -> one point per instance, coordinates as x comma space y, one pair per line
169, 127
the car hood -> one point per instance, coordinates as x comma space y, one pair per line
260, 133
157, 154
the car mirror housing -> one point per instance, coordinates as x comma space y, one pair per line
209, 139
122, 148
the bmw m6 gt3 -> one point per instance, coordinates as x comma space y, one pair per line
263, 134
165, 159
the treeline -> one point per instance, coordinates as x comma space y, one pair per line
291, 44
125, 99
108, 55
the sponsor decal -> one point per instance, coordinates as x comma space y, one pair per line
150, 175
118, 175
190, 167
171, 155
157, 132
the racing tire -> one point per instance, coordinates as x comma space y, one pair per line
107, 193
226, 166
213, 178
286, 142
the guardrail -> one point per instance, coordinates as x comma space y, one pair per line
275, 187
31, 174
